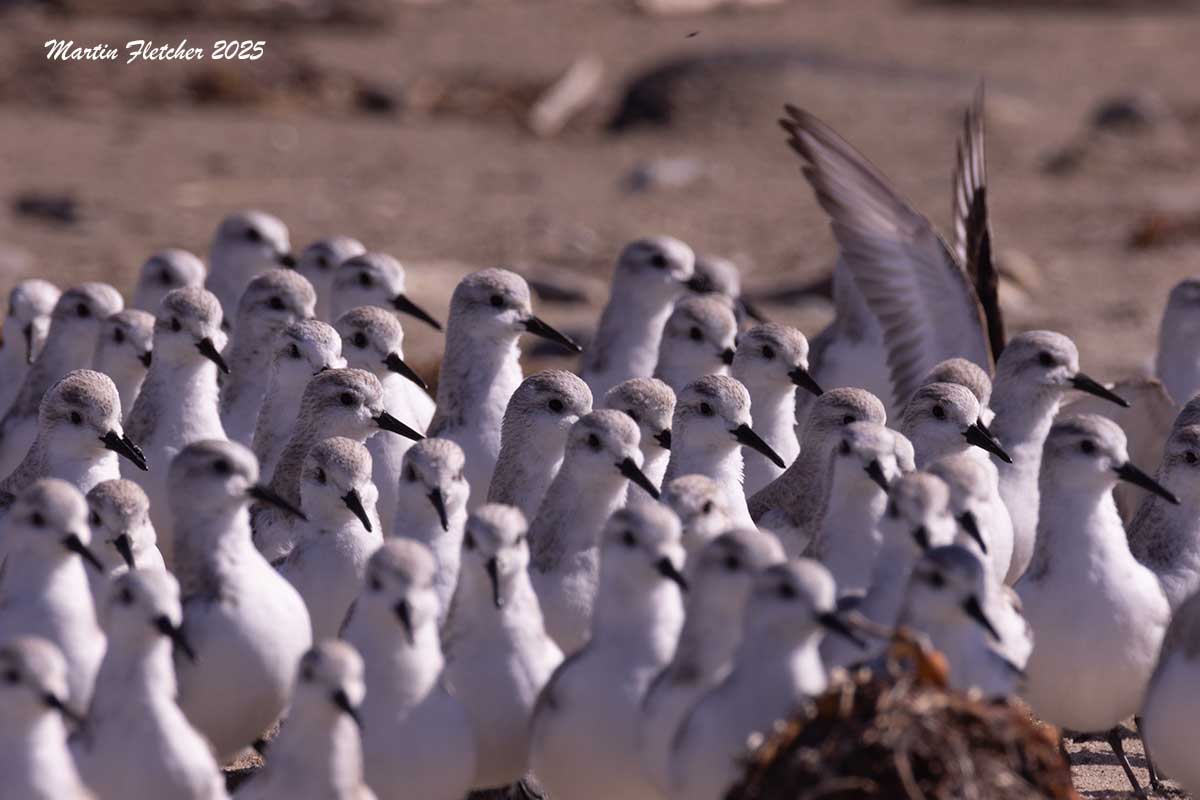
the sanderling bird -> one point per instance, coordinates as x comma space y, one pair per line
1165, 536
45, 590
945, 602
166, 270
1170, 708
246, 243
1082, 552
432, 509
697, 340
651, 404
489, 311
247, 625
35, 760
533, 437
319, 262
718, 275
178, 401
1035, 371
70, 344
1177, 365
30, 304
336, 402
942, 419
771, 361
374, 279
300, 350
791, 504
700, 504
862, 466
417, 736
272, 301
124, 352
584, 728
498, 655
342, 531
137, 742
969, 374
318, 753
601, 457
650, 275
777, 666
373, 340
976, 504
710, 427
123, 537
79, 437
720, 578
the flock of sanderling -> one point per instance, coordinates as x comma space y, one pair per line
235, 505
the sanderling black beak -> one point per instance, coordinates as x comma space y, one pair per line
666, 567
439, 505
265, 495
698, 284
286, 260
342, 701
539, 328
975, 611
404, 614
971, 526
493, 571
746, 437
875, 471
727, 356
921, 536
175, 634
977, 435
804, 379
210, 351
27, 331
124, 546
396, 364
629, 468
832, 622
663, 438
146, 358
1085, 384
406, 306
124, 447
354, 503
1128, 472
60, 705
393, 425
73, 543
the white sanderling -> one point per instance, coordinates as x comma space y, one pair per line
373, 340
651, 404
771, 361
318, 753
336, 402
942, 419
584, 728
432, 509
245, 244
791, 504
1165, 536
417, 736
319, 262
30, 304
271, 302
650, 275
70, 345
777, 666
163, 271
497, 651
342, 531
1035, 371
863, 464
35, 760
123, 537
1082, 552
720, 579
300, 350
710, 427
720, 275
137, 742
701, 507
124, 352
1177, 365
697, 340
976, 504
945, 602
533, 437
969, 374
1170, 708
601, 457
45, 589
79, 437
489, 311
247, 625
374, 279
178, 401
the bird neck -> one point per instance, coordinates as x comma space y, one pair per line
1022, 420
34, 758
210, 546
643, 623
478, 376
474, 610
323, 745
773, 411
683, 363
180, 396
572, 514
630, 331
526, 467
1079, 525
135, 674
709, 638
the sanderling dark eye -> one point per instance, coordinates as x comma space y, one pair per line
733, 563
119, 336
347, 398
893, 511
364, 279
375, 584
252, 235
321, 476
410, 474
175, 326
1045, 359
845, 448
1189, 457
307, 674
276, 303
94, 519
1087, 446
706, 409
593, 441
556, 405
125, 596
497, 301
468, 542
76, 418
786, 591
939, 412
165, 279
12, 676
846, 420
695, 334
294, 350
658, 261
359, 340
323, 262
221, 467
768, 352
37, 520
628, 539
83, 311
707, 508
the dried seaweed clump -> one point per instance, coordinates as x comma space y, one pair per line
899, 734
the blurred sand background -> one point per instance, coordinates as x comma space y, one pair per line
406, 126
